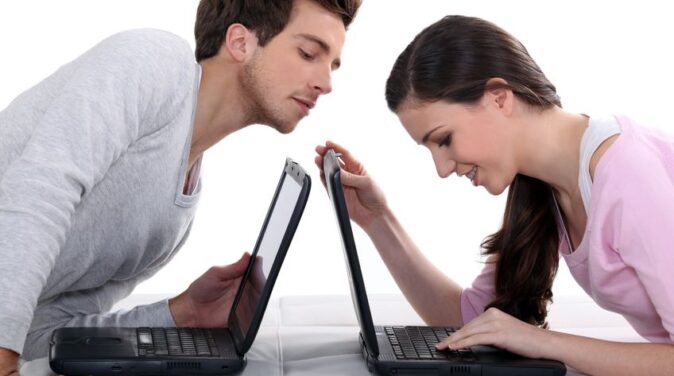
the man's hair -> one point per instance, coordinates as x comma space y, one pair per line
266, 18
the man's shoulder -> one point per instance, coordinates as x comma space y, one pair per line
152, 58
150, 36
149, 43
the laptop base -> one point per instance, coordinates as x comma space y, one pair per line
478, 361
116, 351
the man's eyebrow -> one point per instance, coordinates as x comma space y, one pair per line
424, 140
323, 45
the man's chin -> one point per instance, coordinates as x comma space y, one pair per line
286, 127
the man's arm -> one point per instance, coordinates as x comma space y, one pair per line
9, 362
95, 110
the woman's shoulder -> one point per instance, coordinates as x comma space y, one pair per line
637, 153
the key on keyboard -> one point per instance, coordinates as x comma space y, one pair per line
175, 342
418, 343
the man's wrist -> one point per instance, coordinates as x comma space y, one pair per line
9, 362
181, 312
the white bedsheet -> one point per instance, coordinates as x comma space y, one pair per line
317, 335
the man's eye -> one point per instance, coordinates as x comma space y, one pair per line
305, 55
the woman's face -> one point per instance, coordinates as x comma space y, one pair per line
473, 140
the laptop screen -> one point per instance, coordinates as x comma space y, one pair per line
357, 284
269, 245
272, 243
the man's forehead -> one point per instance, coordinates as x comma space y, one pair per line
310, 18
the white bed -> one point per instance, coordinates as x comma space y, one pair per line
317, 335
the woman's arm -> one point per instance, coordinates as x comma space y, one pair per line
599, 357
434, 296
587, 355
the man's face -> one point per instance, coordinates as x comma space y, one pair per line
284, 79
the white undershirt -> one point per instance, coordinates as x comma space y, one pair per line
599, 129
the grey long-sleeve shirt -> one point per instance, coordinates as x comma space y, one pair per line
92, 167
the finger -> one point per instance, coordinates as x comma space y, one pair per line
479, 326
319, 163
352, 164
234, 270
244, 260
459, 334
473, 340
352, 180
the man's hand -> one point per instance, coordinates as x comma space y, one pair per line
251, 294
9, 363
208, 300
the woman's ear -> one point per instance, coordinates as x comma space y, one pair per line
239, 42
498, 93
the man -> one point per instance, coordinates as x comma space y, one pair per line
99, 163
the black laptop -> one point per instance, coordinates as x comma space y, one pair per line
410, 350
194, 351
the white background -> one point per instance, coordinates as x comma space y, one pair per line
603, 57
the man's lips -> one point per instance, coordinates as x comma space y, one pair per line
305, 104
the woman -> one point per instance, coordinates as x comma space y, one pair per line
597, 191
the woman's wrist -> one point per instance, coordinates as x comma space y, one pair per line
552, 344
380, 222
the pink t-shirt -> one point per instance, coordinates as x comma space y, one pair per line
625, 261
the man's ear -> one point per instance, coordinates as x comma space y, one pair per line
239, 42
498, 92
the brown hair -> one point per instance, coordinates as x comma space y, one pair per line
267, 18
452, 60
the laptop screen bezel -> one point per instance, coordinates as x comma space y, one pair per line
332, 173
243, 341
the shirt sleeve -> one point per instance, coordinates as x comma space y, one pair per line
116, 93
482, 292
91, 308
645, 226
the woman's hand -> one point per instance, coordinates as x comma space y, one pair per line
364, 199
497, 328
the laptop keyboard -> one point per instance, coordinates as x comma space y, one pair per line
175, 342
418, 343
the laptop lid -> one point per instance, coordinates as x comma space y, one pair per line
358, 293
283, 216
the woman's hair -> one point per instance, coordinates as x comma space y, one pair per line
266, 18
452, 60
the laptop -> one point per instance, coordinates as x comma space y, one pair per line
410, 350
194, 351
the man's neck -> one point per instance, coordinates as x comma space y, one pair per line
221, 108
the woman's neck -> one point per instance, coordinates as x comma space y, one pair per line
550, 149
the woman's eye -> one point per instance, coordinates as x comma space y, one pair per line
446, 141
